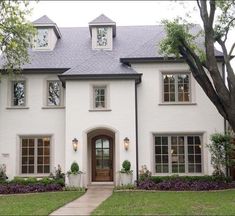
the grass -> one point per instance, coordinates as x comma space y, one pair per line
35, 204
169, 203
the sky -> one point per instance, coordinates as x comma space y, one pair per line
124, 13
80, 13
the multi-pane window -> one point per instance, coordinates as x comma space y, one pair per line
54, 93
102, 36
99, 97
42, 38
35, 155
18, 93
176, 87
178, 154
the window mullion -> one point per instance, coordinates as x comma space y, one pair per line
35, 156
170, 155
186, 153
176, 88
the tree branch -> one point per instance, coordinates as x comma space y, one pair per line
212, 12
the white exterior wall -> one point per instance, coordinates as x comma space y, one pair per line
32, 121
153, 117
80, 121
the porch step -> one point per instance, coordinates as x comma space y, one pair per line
100, 186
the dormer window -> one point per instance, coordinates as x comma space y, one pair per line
47, 34
102, 30
42, 38
102, 37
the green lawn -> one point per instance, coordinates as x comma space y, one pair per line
169, 203
35, 204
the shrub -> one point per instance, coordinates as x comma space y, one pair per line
80, 189
74, 169
220, 148
3, 176
181, 183
21, 188
144, 173
58, 174
126, 167
125, 187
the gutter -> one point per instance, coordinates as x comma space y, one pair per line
158, 59
136, 77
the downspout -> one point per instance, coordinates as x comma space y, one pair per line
136, 134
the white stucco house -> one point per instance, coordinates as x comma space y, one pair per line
103, 85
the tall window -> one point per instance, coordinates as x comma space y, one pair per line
178, 154
99, 97
18, 93
42, 38
102, 36
35, 155
176, 88
54, 93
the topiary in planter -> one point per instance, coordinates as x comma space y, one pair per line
74, 168
126, 166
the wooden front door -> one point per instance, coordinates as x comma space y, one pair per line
102, 158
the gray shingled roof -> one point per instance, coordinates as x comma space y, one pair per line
73, 50
43, 20
101, 62
101, 19
74, 47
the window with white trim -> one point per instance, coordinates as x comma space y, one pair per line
18, 93
102, 37
42, 38
100, 98
176, 87
54, 93
35, 155
178, 153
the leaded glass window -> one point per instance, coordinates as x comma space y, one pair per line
176, 88
35, 155
99, 97
54, 93
178, 154
102, 36
42, 38
18, 93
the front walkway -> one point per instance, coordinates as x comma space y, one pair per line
87, 203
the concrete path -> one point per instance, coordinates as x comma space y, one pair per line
85, 204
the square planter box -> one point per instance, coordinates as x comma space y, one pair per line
74, 180
126, 178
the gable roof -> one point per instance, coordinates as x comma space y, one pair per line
43, 20
102, 19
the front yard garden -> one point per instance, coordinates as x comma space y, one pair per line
169, 203
35, 204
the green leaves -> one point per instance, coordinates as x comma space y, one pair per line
15, 34
177, 34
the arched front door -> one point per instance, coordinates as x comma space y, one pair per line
102, 158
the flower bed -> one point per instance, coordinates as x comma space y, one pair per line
30, 185
31, 188
185, 183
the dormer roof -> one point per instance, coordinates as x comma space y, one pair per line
45, 21
103, 20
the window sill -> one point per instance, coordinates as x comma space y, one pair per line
170, 104
100, 110
33, 175
53, 107
179, 174
17, 107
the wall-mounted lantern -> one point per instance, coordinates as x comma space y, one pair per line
126, 143
75, 144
